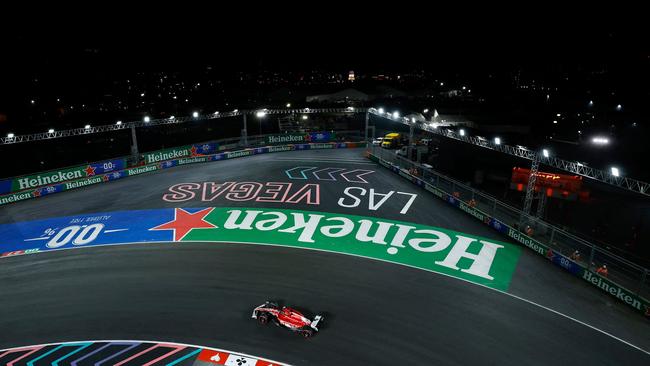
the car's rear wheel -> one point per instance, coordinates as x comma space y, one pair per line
263, 319
307, 333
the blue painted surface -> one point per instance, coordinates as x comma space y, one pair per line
131, 226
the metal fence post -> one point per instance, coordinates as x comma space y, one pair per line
366, 129
643, 278
591, 256
244, 132
552, 235
134, 146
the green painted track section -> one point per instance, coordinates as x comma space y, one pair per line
472, 258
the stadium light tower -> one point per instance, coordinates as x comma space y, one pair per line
195, 114
260, 114
600, 140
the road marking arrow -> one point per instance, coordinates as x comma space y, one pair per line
328, 172
301, 170
357, 173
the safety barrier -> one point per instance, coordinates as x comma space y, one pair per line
158, 160
554, 244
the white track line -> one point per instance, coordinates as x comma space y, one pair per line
361, 256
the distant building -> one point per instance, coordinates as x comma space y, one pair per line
347, 95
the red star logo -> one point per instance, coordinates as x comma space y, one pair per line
193, 150
105, 178
184, 222
37, 193
90, 170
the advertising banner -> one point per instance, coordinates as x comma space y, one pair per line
180, 152
63, 175
297, 138
115, 169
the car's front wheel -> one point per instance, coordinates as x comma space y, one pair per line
307, 333
263, 319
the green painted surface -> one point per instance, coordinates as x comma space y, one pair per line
476, 259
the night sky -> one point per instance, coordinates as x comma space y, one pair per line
339, 37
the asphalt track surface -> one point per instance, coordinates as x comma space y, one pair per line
377, 313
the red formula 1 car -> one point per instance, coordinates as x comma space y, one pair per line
287, 317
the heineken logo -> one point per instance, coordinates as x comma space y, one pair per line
56, 177
278, 139
191, 161
60, 176
237, 154
15, 197
525, 240
476, 259
472, 211
279, 148
321, 146
166, 155
83, 183
145, 169
613, 289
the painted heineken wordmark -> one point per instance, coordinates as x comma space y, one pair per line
328, 174
460, 255
475, 259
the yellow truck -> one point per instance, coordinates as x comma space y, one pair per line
392, 140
